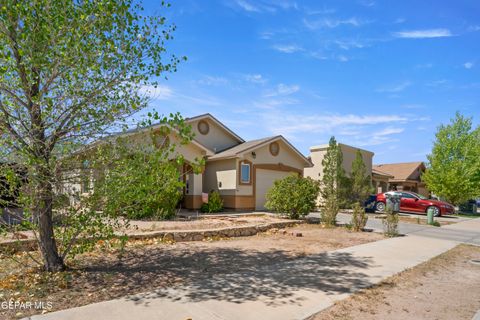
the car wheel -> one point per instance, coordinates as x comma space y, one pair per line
436, 211
380, 206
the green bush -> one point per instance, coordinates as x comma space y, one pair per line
359, 217
294, 195
390, 223
215, 203
329, 211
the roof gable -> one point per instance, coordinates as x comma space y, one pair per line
217, 122
402, 171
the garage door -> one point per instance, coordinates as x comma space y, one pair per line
264, 181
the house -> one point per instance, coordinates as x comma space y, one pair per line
380, 180
406, 176
241, 171
317, 153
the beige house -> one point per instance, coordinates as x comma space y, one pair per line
241, 171
405, 176
317, 153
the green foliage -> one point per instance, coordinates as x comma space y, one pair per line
359, 218
360, 182
69, 72
334, 184
293, 195
390, 223
214, 204
453, 169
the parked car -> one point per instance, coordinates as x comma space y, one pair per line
415, 203
370, 203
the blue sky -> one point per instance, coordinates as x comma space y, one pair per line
380, 75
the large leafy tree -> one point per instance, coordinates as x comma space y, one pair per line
69, 70
453, 169
333, 183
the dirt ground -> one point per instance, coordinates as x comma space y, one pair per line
151, 264
202, 223
446, 287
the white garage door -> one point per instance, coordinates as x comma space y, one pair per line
264, 181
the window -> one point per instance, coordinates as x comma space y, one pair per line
245, 173
408, 195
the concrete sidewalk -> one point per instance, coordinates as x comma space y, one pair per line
287, 290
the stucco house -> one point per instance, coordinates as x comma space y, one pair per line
406, 176
241, 171
317, 153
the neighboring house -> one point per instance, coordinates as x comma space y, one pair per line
241, 171
317, 153
406, 176
380, 180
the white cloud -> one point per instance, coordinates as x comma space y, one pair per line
247, 6
423, 34
158, 92
283, 90
342, 58
291, 48
332, 23
255, 78
468, 65
213, 81
367, 3
265, 6
350, 44
399, 20
395, 88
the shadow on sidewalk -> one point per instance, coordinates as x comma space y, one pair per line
235, 275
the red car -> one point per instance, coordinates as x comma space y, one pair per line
415, 203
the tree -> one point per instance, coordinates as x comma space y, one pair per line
453, 168
360, 181
360, 189
69, 71
293, 195
333, 183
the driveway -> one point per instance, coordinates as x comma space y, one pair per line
467, 231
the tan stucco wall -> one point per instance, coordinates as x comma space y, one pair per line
223, 171
286, 157
348, 153
217, 139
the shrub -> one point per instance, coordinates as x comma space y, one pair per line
215, 203
329, 212
294, 196
359, 217
390, 223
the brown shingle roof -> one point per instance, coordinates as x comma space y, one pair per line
381, 173
399, 171
238, 149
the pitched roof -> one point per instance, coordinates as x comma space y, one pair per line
235, 151
381, 173
254, 144
399, 171
220, 124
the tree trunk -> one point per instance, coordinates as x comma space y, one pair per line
48, 246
